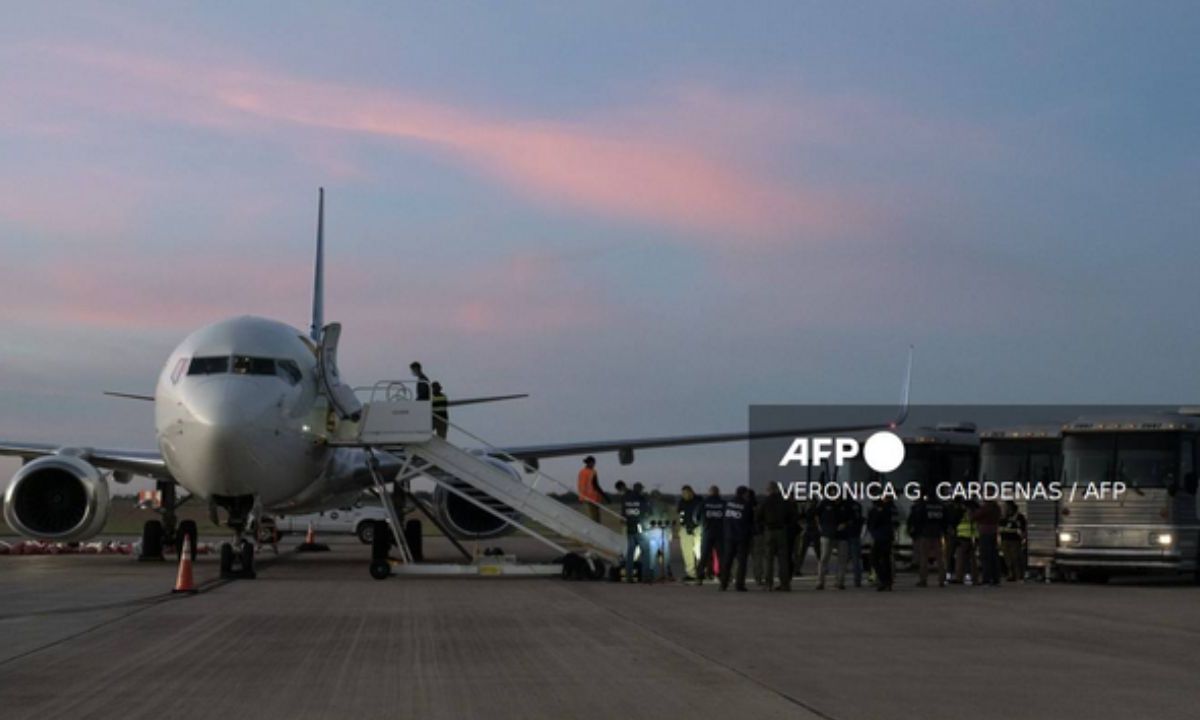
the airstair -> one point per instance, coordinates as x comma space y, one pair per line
392, 421
525, 501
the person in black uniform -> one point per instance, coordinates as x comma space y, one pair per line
739, 532
635, 508
810, 536
423, 389
441, 410
713, 537
881, 524
776, 517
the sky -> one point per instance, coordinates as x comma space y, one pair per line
647, 215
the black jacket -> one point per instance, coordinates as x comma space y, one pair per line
775, 513
714, 513
881, 522
739, 518
927, 519
691, 513
635, 508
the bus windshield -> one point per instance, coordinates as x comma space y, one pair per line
998, 463
1147, 460
1140, 460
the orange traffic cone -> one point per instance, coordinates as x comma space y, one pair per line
310, 543
184, 583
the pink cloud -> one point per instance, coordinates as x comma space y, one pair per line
669, 173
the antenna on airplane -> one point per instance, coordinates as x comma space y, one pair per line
318, 303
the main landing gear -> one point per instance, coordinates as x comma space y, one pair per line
157, 535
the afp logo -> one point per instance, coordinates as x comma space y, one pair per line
883, 451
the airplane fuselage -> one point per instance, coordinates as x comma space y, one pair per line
238, 414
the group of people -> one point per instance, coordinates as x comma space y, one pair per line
728, 538
967, 542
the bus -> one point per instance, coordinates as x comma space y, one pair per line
1029, 455
1152, 526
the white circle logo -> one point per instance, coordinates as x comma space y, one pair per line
883, 451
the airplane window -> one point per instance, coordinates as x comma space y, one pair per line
246, 365
289, 370
208, 366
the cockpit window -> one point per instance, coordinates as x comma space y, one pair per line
289, 370
180, 368
208, 366
247, 365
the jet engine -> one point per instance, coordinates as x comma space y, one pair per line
465, 518
57, 498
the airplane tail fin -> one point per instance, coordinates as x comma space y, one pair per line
318, 302
905, 391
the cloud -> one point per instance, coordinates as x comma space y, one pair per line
668, 170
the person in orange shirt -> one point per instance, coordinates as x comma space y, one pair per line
588, 489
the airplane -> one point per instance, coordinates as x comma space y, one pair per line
242, 411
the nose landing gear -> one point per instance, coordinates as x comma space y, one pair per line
237, 558
237, 563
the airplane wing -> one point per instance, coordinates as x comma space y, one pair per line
486, 399
626, 447
136, 462
532, 453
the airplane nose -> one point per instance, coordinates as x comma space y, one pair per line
216, 449
227, 403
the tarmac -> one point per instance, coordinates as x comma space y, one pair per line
315, 637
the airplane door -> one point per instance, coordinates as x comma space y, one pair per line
340, 395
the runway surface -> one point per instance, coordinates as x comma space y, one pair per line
315, 637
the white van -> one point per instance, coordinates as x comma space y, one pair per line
355, 520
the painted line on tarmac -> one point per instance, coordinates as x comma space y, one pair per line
692, 651
139, 605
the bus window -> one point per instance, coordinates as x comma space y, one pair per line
208, 366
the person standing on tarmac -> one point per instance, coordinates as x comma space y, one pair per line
634, 510
987, 520
712, 539
758, 544
441, 410
926, 525
810, 536
1012, 539
881, 524
587, 487
739, 531
658, 537
690, 511
966, 536
853, 513
423, 388
775, 516
832, 522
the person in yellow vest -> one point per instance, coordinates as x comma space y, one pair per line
588, 489
966, 538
